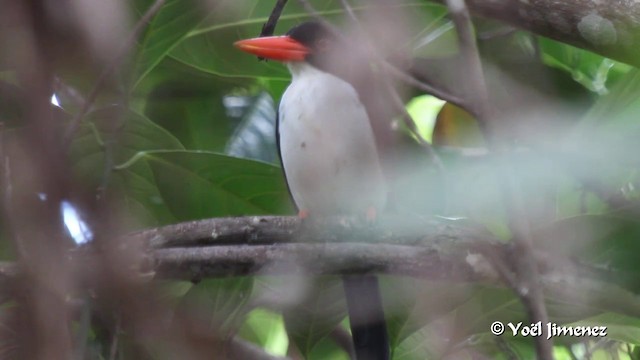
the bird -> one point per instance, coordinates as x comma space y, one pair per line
328, 148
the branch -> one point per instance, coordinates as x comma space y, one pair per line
433, 248
270, 26
609, 28
422, 247
446, 263
268, 230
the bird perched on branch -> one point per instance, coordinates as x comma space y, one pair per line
329, 152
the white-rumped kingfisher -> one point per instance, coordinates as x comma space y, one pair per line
328, 151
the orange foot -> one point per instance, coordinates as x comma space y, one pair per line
303, 214
372, 214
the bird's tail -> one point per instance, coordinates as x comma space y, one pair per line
366, 315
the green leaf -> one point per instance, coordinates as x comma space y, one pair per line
430, 342
136, 133
266, 329
321, 311
410, 304
619, 327
210, 47
215, 185
603, 147
602, 241
100, 139
328, 349
438, 39
170, 25
190, 106
217, 305
617, 107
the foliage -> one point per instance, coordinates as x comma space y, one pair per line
194, 142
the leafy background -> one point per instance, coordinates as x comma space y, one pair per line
195, 140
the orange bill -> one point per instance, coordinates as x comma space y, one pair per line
280, 48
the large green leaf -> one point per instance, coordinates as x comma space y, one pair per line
189, 104
430, 342
321, 311
410, 304
217, 305
601, 241
328, 349
215, 185
210, 47
135, 133
619, 327
169, 26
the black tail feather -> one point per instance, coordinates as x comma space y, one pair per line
366, 315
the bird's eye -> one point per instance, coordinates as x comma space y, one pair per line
322, 44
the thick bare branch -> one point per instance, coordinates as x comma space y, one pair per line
436, 249
446, 263
266, 230
610, 28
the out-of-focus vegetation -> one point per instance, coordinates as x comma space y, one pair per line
186, 131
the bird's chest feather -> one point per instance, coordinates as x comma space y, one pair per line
327, 147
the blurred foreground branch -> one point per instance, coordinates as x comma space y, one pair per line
525, 280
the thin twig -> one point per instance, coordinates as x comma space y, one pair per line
115, 62
421, 85
393, 70
270, 26
398, 73
402, 75
413, 128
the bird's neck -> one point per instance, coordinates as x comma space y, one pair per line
302, 69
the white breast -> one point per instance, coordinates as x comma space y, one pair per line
327, 145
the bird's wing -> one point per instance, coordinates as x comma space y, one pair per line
284, 173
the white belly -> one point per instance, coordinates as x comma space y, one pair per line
328, 149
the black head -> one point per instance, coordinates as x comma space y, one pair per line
312, 34
323, 42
